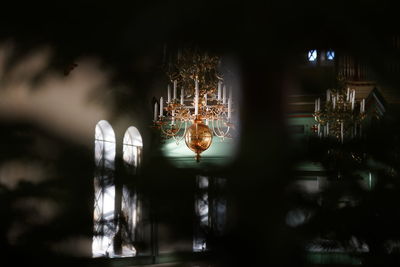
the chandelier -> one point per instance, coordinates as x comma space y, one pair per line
203, 108
341, 116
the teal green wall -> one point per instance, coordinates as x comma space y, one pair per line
307, 122
221, 152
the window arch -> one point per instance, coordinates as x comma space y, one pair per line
132, 148
104, 190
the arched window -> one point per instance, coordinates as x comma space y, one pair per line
312, 55
104, 190
330, 55
132, 147
130, 208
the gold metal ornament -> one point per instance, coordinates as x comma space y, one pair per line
199, 103
341, 115
198, 138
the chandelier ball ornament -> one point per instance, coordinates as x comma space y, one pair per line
198, 138
199, 103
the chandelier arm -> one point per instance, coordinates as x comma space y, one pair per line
178, 140
225, 134
221, 133
170, 134
213, 128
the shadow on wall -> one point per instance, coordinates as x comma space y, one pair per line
47, 118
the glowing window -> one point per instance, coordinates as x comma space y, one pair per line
210, 210
104, 190
312, 55
132, 147
130, 209
330, 55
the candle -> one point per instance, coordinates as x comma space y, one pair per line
362, 106
161, 106
224, 94
229, 107
175, 83
319, 104
341, 131
173, 117
205, 99
219, 90
328, 95
182, 96
169, 94
352, 100
196, 98
334, 102
155, 111
361, 103
348, 94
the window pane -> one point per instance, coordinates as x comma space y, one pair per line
104, 190
312, 55
330, 55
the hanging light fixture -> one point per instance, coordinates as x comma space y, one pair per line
340, 117
203, 108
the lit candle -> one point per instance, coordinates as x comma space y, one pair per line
155, 111
161, 106
229, 107
182, 96
175, 83
219, 90
196, 98
169, 94
224, 95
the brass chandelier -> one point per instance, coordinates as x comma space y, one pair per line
203, 108
341, 116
